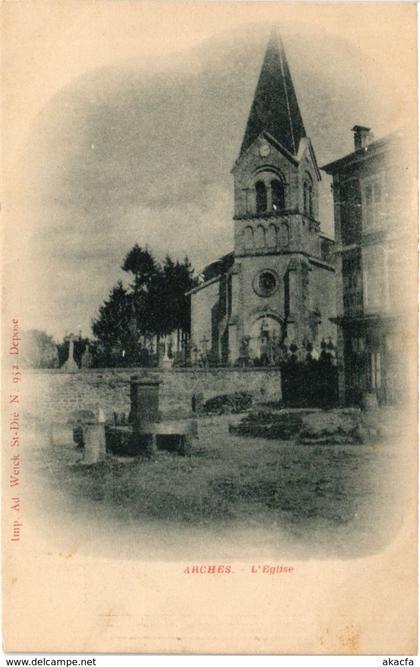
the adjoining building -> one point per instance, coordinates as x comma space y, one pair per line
277, 286
372, 230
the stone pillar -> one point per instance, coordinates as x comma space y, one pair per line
144, 393
94, 440
269, 198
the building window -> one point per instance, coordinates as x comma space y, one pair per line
358, 344
272, 236
265, 283
261, 197
260, 237
350, 211
373, 278
308, 204
372, 201
284, 234
375, 370
248, 238
352, 284
327, 249
277, 195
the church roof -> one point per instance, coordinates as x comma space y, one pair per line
218, 267
275, 107
213, 272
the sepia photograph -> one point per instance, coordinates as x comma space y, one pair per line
210, 321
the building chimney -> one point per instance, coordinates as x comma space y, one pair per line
362, 136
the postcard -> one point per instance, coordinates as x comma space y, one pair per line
209, 327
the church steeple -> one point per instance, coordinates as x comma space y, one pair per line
275, 108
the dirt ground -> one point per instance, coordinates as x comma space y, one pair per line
233, 495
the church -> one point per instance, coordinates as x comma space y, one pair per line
277, 287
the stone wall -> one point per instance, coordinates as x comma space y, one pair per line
51, 395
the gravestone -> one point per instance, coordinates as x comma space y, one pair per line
87, 359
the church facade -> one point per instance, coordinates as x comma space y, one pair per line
277, 287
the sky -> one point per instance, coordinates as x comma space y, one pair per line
139, 150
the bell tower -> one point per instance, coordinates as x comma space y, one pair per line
277, 241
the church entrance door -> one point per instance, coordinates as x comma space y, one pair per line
266, 336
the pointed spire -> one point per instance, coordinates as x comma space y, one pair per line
275, 107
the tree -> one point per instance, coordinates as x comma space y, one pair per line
144, 290
39, 350
142, 265
114, 326
169, 307
185, 282
177, 280
153, 305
